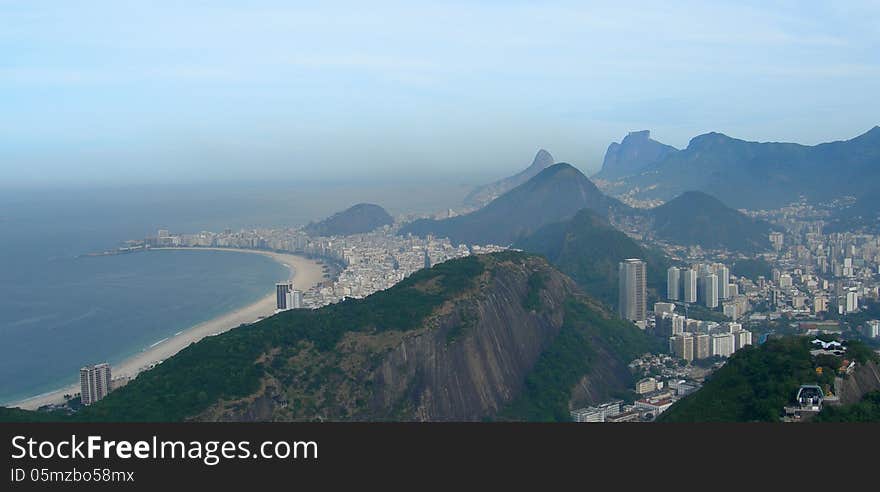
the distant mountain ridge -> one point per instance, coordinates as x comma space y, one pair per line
633, 154
697, 218
357, 219
756, 175
484, 194
553, 195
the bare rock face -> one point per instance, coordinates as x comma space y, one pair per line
633, 154
465, 362
864, 379
439, 376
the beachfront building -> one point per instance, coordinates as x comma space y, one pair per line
284, 296
296, 299
94, 383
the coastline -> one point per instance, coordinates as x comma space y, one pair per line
303, 271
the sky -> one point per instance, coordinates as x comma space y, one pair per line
119, 92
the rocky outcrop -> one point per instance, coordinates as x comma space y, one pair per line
864, 379
466, 362
441, 377
633, 154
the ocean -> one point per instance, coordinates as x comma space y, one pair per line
60, 311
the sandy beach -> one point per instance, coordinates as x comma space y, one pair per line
304, 272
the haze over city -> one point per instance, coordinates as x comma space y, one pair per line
107, 93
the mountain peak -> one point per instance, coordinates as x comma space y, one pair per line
559, 167
708, 139
637, 135
542, 159
357, 219
553, 195
633, 154
695, 217
482, 195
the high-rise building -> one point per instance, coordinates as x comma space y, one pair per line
633, 290
820, 304
785, 281
852, 301
709, 290
283, 292
776, 239
741, 338
673, 283
702, 346
730, 310
723, 281
690, 285
682, 346
722, 344
678, 324
94, 383
296, 299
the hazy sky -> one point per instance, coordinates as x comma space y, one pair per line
151, 91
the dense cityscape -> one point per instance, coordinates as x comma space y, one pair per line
809, 283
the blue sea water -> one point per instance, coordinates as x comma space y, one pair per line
59, 311
77, 311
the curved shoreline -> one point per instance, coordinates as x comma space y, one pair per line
304, 272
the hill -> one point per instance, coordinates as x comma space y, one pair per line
696, 218
588, 249
756, 175
554, 195
501, 336
358, 219
484, 194
758, 381
633, 154
754, 385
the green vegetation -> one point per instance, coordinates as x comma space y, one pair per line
867, 410
360, 218
16, 415
752, 268
697, 218
754, 385
569, 357
860, 352
588, 249
225, 366
532, 302
698, 311
299, 353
